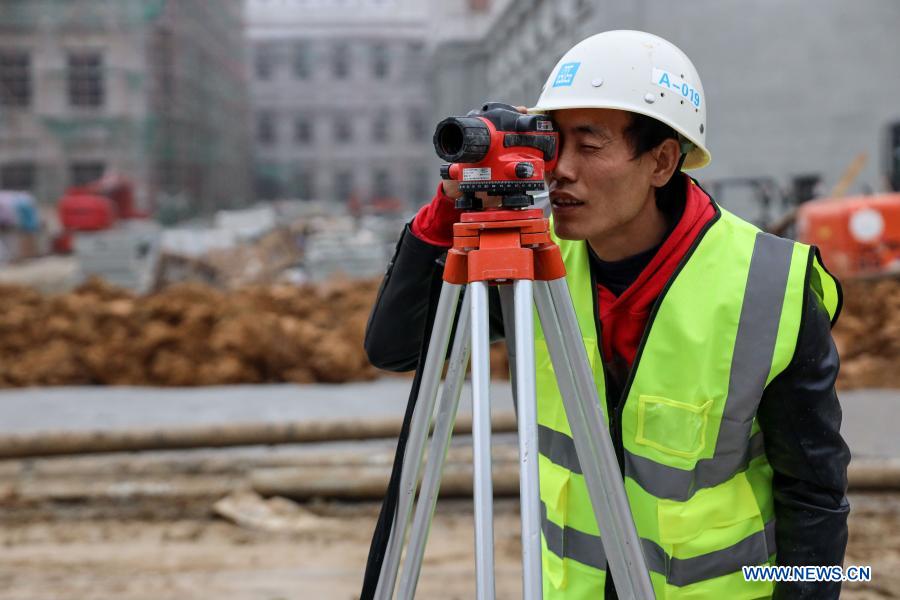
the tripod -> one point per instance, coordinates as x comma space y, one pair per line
511, 248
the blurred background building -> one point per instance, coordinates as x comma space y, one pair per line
342, 108
153, 90
210, 105
201, 108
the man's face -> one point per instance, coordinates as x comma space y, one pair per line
597, 188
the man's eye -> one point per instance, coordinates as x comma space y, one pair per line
589, 147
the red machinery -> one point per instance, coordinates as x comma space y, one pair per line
857, 236
95, 206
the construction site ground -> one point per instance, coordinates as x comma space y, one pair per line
151, 525
202, 559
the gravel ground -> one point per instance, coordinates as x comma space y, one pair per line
167, 548
114, 559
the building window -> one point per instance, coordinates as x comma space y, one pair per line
81, 173
265, 128
17, 176
343, 129
269, 181
415, 57
304, 184
302, 130
380, 64
85, 78
343, 184
301, 62
381, 183
340, 61
418, 130
15, 78
380, 129
264, 61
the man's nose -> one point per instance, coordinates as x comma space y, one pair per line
563, 169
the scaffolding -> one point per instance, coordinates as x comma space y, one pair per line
181, 120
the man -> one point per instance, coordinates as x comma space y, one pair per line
711, 343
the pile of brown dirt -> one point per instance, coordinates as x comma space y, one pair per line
188, 334
868, 334
194, 334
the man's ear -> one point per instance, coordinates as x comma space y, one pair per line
665, 161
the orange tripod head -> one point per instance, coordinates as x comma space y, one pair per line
501, 245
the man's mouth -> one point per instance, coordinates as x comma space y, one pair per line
564, 201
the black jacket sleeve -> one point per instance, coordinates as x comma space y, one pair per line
800, 419
399, 318
397, 322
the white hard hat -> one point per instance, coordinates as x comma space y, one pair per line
634, 71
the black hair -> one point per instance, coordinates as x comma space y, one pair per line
646, 133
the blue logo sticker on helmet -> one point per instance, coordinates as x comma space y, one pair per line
566, 74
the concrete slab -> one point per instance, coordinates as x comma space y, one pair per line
86, 408
871, 424
871, 417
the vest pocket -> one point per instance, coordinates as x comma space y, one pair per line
714, 533
670, 426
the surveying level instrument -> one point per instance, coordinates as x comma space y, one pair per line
496, 150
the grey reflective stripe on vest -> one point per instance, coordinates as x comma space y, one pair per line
754, 347
755, 549
671, 483
571, 543
560, 449
587, 549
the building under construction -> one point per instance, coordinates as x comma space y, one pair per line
154, 90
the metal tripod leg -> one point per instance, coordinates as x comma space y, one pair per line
507, 302
437, 453
529, 488
596, 454
481, 443
518, 323
418, 432
518, 313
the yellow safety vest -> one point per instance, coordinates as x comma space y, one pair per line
695, 469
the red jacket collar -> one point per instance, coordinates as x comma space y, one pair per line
624, 318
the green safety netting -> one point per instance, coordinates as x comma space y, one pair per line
80, 13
